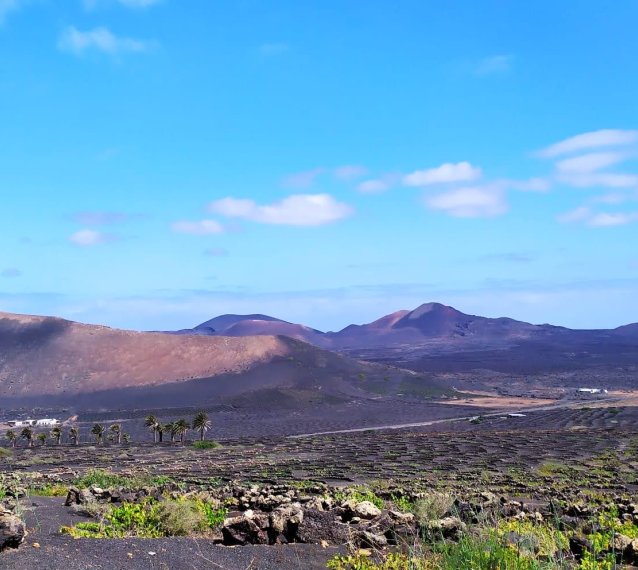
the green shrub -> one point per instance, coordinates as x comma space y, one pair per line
432, 507
106, 479
393, 561
403, 504
48, 491
206, 444
359, 494
180, 518
150, 519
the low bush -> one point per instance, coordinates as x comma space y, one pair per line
107, 479
150, 519
206, 444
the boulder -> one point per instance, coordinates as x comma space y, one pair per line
321, 526
448, 527
366, 510
72, 497
622, 545
12, 530
578, 545
243, 530
368, 539
284, 523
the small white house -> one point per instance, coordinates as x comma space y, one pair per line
592, 391
44, 422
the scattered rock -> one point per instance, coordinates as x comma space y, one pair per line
12, 530
366, 510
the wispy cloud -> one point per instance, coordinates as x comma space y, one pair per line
135, 4
494, 65
216, 252
607, 179
296, 210
7, 6
100, 39
272, 49
446, 173
373, 186
100, 218
529, 185
509, 257
590, 217
591, 140
87, 238
10, 272
350, 172
303, 179
591, 162
470, 202
200, 227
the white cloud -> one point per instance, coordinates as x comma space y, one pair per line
101, 39
495, 64
91, 237
350, 172
302, 179
590, 140
591, 218
590, 162
200, 227
296, 210
470, 202
448, 172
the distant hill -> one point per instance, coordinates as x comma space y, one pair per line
428, 322
46, 360
436, 338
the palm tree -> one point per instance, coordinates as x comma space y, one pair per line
181, 427
152, 423
98, 431
116, 429
160, 429
171, 428
201, 423
74, 434
56, 433
11, 436
27, 433
42, 438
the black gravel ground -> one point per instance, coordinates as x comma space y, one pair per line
57, 552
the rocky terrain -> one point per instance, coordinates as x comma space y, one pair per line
553, 485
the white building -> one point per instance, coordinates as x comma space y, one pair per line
44, 422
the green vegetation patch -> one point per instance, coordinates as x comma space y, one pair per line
107, 479
152, 519
206, 444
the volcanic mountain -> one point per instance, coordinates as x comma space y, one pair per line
437, 338
426, 324
55, 361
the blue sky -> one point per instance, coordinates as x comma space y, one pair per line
327, 162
